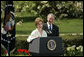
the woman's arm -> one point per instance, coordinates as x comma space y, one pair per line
32, 36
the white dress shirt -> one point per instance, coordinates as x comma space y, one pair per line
36, 34
49, 26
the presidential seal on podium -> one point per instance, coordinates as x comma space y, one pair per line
51, 45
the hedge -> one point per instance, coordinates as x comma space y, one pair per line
68, 40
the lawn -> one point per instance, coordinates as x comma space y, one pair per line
65, 26
71, 26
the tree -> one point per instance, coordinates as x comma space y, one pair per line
61, 9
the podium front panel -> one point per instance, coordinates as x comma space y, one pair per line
56, 43
34, 46
46, 45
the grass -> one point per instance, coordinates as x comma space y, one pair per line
25, 28
15, 55
63, 36
21, 37
68, 25
71, 26
65, 26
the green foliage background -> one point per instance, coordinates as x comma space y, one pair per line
61, 9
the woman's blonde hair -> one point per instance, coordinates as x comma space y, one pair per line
37, 20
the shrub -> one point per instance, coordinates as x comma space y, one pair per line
68, 40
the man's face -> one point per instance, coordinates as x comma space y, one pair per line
50, 19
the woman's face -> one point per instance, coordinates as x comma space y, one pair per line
40, 25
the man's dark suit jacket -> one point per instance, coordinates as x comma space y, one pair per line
55, 30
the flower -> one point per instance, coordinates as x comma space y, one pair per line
38, 7
68, 48
26, 51
5, 51
73, 47
20, 50
23, 50
80, 48
44, 2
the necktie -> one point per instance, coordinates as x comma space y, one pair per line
50, 27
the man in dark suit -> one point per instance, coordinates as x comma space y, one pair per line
49, 27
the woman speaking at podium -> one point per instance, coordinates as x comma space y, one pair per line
38, 32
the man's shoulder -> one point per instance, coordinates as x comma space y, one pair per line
55, 26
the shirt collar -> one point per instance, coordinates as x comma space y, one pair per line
49, 25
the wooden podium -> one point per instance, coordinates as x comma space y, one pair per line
46, 46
